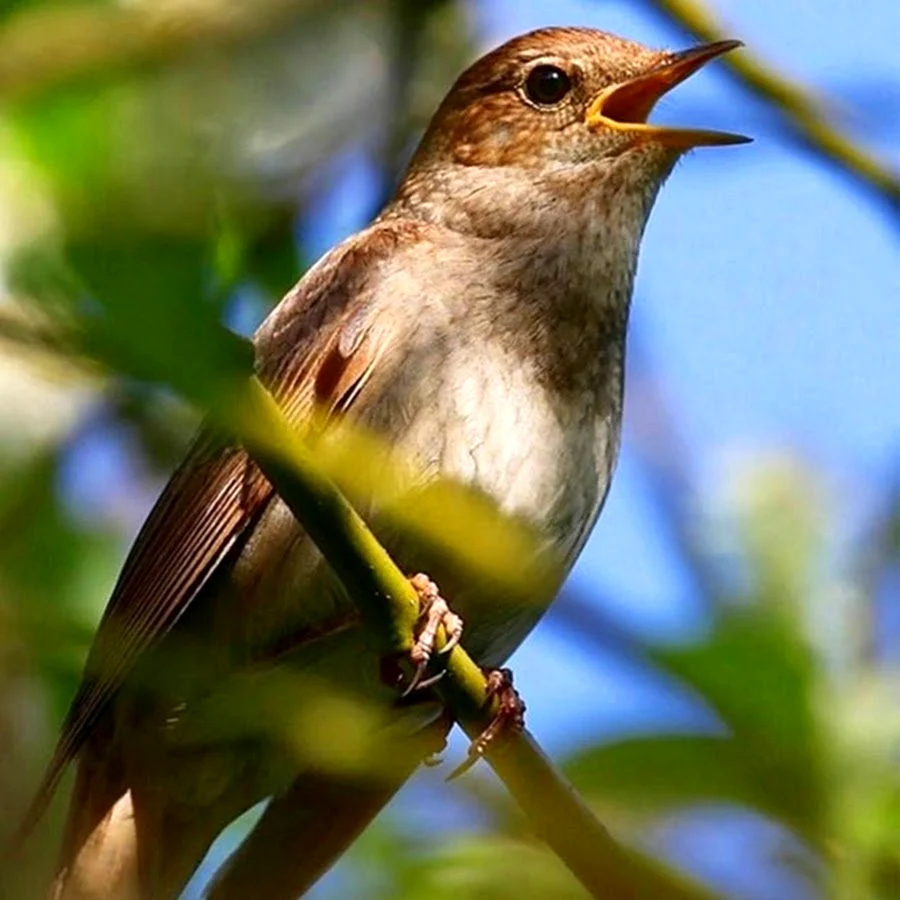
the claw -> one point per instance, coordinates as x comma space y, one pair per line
463, 767
453, 634
416, 680
435, 614
430, 682
509, 718
441, 728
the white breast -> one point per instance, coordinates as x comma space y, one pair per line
494, 426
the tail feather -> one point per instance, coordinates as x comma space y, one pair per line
143, 815
132, 833
305, 830
300, 836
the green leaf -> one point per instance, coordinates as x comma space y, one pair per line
757, 676
655, 774
146, 316
761, 681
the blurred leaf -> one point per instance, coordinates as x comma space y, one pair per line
489, 868
762, 682
390, 862
54, 575
266, 255
160, 424
757, 676
137, 307
52, 603
246, 118
655, 773
151, 316
53, 43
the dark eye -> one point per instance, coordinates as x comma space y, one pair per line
547, 85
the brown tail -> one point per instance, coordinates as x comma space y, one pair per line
131, 834
98, 857
143, 815
300, 836
305, 830
99, 828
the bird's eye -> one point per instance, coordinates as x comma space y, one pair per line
547, 85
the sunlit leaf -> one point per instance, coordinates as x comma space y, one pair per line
761, 681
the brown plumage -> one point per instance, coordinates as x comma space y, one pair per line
479, 326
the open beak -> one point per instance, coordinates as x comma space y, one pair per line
626, 106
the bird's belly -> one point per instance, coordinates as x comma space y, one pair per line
490, 423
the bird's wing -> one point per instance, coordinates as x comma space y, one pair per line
319, 345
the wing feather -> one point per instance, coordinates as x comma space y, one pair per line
317, 345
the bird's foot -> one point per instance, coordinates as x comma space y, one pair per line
435, 613
439, 729
509, 718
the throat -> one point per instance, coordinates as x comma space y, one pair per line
565, 317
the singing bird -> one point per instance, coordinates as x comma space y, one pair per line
478, 325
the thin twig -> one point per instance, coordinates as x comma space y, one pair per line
802, 112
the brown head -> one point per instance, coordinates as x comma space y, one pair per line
564, 95
543, 147
572, 101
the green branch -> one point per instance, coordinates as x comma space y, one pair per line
389, 607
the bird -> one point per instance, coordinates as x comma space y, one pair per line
477, 325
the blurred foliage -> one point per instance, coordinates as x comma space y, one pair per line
154, 160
